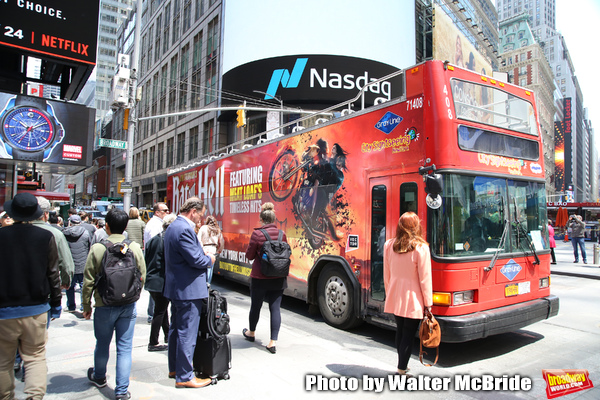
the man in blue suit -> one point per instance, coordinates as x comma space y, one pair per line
185, 285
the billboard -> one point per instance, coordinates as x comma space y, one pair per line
297, 38
559, 156
63, 29
451, 45
313, 79
44, 130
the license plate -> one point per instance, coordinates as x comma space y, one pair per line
511, 290
514, 289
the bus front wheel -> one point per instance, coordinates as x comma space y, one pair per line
336, 300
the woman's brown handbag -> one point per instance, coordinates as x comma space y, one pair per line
430, 336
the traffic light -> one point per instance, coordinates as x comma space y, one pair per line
241, 118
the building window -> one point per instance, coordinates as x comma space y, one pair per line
196, 92
144, 161
170, 150
211, 82
207, 137
199, 9
180, 148
173, 88
193, 148
187, 15
175, 20
197, 52
159, 155
185, 54
151, 161
150, 45
212, 39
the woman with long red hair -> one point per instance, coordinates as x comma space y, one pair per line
407, 279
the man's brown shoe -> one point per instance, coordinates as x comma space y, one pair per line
172, 375
194, 383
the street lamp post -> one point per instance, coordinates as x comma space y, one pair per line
276, 97
132, 106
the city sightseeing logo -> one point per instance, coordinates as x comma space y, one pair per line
560, 382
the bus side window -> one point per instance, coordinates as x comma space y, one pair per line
378, 220
408, 197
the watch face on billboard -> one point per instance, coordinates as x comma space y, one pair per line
43, 130
64, 29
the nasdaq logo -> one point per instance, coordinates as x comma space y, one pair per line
388, 122
511, 269
285, 78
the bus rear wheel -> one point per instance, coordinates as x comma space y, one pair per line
335, 297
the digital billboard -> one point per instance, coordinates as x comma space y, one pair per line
58, 28
314, 52
44, 130
451, 45
314, 79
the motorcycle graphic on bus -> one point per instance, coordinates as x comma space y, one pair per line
312, 179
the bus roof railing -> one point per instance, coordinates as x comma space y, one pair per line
259, 138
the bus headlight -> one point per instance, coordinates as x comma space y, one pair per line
544, 282
453, 299
463, 297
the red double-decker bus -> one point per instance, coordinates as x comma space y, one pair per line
460, 149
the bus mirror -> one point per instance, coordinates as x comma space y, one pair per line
433, 184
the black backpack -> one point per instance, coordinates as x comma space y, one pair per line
275, 256
119, 281
215, 321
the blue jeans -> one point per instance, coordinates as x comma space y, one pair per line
121, 320
77, 278
581, 242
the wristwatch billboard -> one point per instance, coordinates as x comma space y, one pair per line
29, 130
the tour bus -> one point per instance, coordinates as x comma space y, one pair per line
460, 149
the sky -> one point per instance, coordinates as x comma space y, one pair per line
578, 21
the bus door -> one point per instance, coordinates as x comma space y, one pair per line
390, 197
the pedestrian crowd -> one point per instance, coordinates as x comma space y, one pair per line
42, 257
171, 257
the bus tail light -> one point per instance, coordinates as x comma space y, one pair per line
442, 299
544, 282
463, 297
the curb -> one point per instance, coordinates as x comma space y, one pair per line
575, 274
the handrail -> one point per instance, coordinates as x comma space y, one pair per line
327, 111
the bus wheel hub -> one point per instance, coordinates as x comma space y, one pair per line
337, 296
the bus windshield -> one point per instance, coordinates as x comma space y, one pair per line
492, 106
477, 210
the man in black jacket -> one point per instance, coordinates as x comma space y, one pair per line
29, 288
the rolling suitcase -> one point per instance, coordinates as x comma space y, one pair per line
212, 356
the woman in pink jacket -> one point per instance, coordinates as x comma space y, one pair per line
552, 241
407, 279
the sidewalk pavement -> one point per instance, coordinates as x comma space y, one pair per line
256, 374
565, 265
